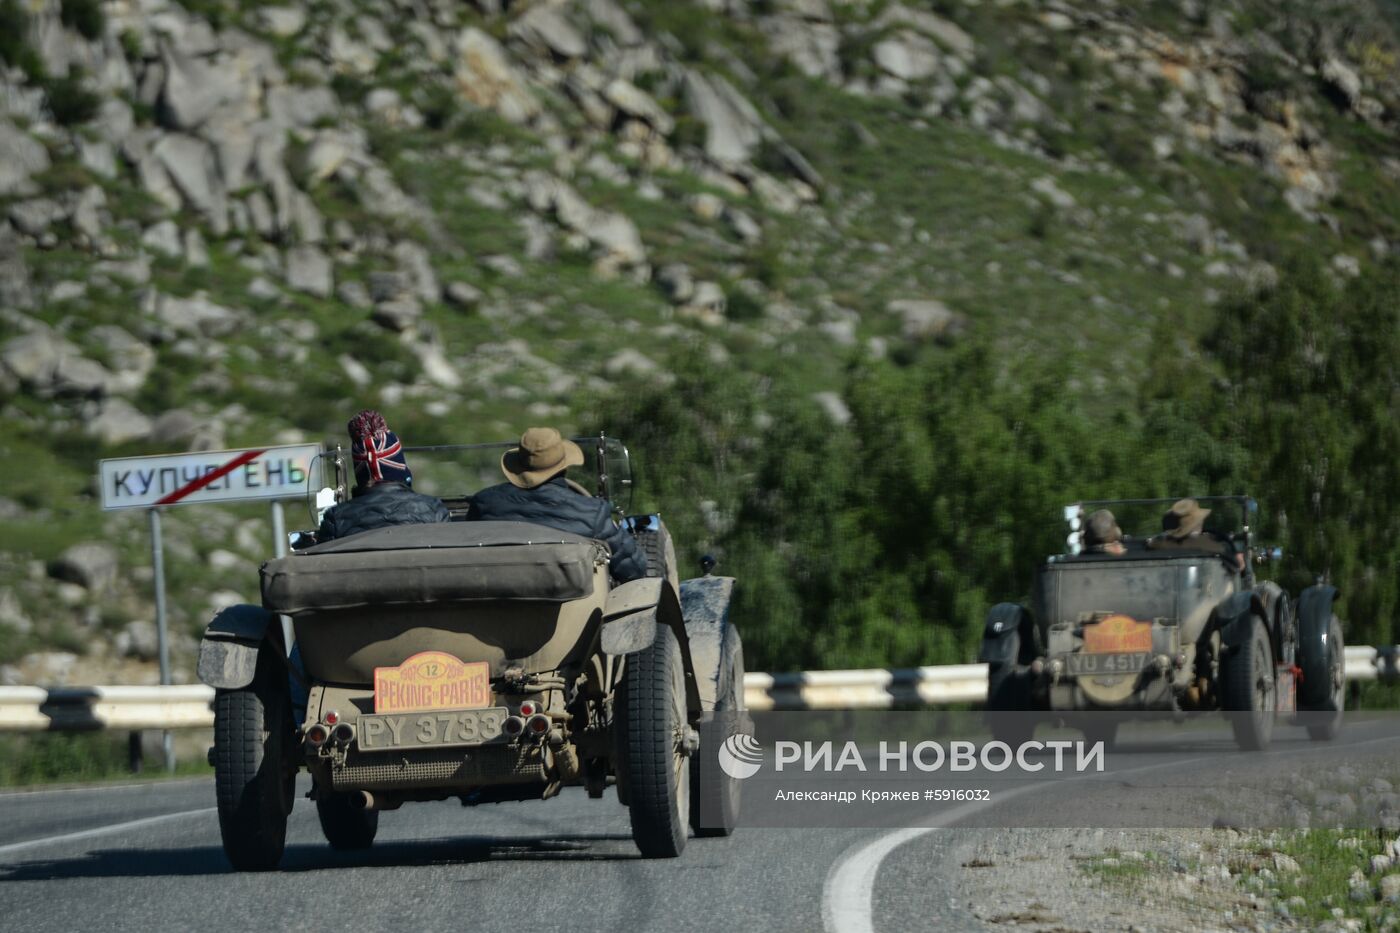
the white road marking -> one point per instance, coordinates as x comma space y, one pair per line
848, 893
34, 791
103, 830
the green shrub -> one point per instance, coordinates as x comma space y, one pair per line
69, 101
15, 49
84, 17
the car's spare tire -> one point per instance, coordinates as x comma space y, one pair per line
254, 780
1248, 685
345, 826
651, 730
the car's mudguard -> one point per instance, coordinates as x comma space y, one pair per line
630, 617
1005, 636
705, 605
228, 653
1235, 615
1314, 621
1279, 616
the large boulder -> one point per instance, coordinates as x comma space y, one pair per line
195, 316
21, 156
638, 104
486, 77
309, 270
191, 165
926, 319
131, 360
48, 365
91, 564
908, 56
117, 422
546, 29
733, 128
194, 89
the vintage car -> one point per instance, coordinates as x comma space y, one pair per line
484, 661
1175, 630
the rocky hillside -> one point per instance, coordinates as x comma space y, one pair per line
228, 223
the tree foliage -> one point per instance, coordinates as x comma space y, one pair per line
884, 541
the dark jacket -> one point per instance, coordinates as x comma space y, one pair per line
383, 504
554, 504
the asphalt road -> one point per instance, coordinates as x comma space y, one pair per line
147, 857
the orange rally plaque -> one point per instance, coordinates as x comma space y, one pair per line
432, 680
1116, 634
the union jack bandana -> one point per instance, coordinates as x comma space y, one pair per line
376, 450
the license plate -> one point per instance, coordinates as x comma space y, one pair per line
431, 681
430, 730
1119, 663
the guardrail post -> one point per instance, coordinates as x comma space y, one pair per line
134, 755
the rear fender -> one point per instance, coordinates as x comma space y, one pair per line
630, 617
1235, 619
705, 605
228, 653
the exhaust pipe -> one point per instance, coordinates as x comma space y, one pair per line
364, 800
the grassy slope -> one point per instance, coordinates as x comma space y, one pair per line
934, 209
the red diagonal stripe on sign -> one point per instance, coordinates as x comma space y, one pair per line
207, 478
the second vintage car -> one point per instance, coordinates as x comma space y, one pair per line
1165, 630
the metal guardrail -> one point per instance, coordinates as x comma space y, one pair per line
32, 709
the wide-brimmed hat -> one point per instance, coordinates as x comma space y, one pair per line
1102, 528
542, 453
1185, 519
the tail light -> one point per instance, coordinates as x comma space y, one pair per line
528, 709
316, 736
513, 726
537, 725
343, 733
332, 718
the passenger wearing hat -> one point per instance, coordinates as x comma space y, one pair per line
538, 492
1183, 527
1102, 534
383, 493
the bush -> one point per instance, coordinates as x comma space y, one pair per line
69, 101
84, 17
15, 49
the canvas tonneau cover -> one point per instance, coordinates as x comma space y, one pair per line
438, 563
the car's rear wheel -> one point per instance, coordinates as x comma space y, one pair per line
253, 778
1247, 688
344, 825
1323, 721
652, 737
714, 804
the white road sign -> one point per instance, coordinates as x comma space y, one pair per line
206, 476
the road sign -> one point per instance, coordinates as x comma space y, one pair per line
206, 476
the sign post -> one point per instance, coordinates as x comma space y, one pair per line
167, 744
203, 476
